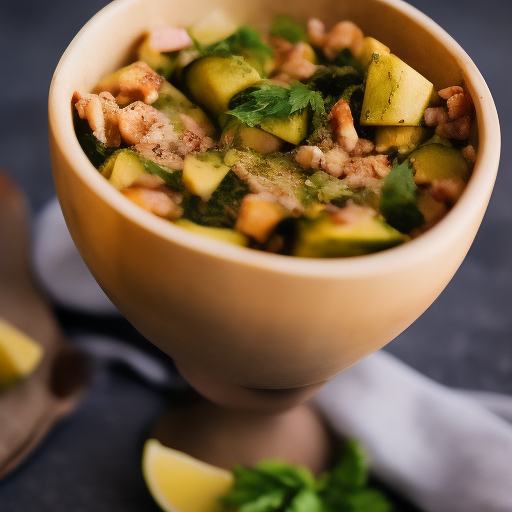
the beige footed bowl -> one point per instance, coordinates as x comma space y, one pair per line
234, 314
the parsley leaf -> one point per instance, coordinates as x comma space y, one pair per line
255, 104
398, 199
246, 42
275, 486
287, 28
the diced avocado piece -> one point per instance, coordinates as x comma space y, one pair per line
291, 129
213, 28
203, 173
19, 354
213, 80
221, 210
371, 46
403, 139
259, 141
323, 238
160, 62
395, 94
439, 162
224, 234
122, 169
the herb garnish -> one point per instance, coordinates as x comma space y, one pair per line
245, 42
255, 104
287, 28
275, 486
399, 199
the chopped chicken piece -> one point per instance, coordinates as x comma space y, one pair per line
448, 92
334, 161
435, 116
101, 112
151, 181
316, 33
446, 191
469, 153
291, 61
342, 125
458, 129
154, 201
136, 120
309, 157
352, 213
139, 83
343, 35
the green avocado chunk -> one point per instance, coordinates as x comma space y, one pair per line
395, 94
203, 173
292, 129
439, 162
323, 238
123, 168
224, 234
213, 80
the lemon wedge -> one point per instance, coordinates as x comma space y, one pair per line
181, 483
19, 354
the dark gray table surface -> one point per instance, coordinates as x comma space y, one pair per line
91, 461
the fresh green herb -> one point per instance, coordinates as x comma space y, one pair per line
287, 28
399, 199
255, 104
324, 188
246, 42
275, 486
346, 58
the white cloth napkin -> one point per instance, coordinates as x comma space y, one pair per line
445, 450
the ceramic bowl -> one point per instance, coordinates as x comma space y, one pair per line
238, 315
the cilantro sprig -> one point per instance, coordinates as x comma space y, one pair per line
256, 104
275, 486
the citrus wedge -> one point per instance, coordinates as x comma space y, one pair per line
180, 483
19, 354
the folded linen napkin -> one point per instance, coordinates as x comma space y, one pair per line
442, 449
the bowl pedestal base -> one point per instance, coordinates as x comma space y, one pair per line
224, 437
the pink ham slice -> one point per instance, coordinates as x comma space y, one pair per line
169, 39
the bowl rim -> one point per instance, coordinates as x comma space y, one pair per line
465, 211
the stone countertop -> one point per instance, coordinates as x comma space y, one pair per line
91, 461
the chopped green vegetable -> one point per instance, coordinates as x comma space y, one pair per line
222, 209
173, 179
332, 82
256, 104
245, 42
399, 199
287, 28
325, 188
275, 486
96, 151
346, 58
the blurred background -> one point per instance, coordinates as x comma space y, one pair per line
90, 462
